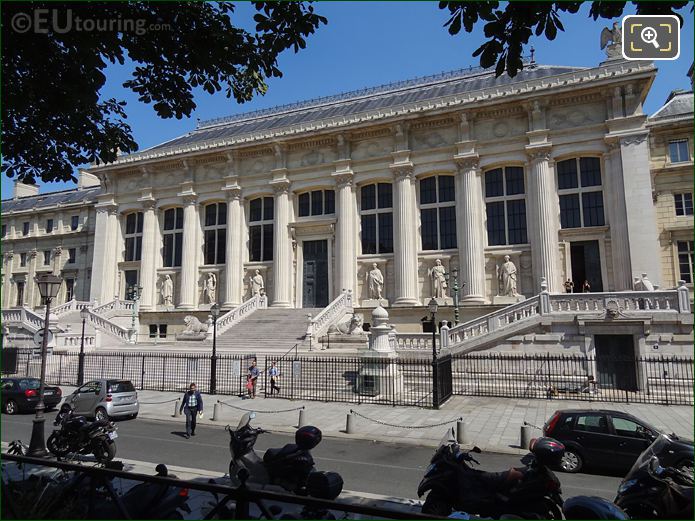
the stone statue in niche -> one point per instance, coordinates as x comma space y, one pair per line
210, 290
507, 278
167, 291
257, 284
375, 280
437, 274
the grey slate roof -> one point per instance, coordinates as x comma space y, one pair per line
65, 197
383, 97
678, 104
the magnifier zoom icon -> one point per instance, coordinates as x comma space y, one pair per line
648, 36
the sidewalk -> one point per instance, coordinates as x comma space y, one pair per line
493, 424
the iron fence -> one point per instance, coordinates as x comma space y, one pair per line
643, 379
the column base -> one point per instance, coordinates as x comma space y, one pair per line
281, 305
473, 300
406, 302
185, 307
230, 305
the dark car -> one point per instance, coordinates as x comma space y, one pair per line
605, 438
22, 394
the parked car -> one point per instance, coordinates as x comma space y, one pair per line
104, 399
605, 438
22, 394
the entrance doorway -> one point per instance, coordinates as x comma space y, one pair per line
131, 283
586, 265
315, 269
615, 362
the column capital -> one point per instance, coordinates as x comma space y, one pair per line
612, 142
538, 153
57, 251
402, 170
9, 255
233, 192
148, 204
343, 179
467, 162
280, 186
33, 254
189, 199
634, 139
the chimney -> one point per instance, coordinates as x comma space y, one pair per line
87, 180
24, 190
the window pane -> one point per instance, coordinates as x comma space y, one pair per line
683, 151
130, 223
317, 202
368, 234
221, 245
447, 227
428, 190
255, 243
567, 174
493, 183
304, 204
222, 213
592, 204
368, 197
139, 222
74, 222
268, 208
255, 210
385, 195
209, 247
515, 180
688, 203
330, 201
129, 248
495, 224
211, 215
179, 218
138, 248
429, 229
169, 216
678, 150
49, 225
268, 242
678, 198
385, 233
25, 229
178, 249
569, 211
590, 170
168, 250
447, 192
516, 221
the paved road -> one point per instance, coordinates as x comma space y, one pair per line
379, 468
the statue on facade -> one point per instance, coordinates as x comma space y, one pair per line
646, 283
375, 280
257, 284
507, 278
167, 291
210, 290
438, 275
615, 36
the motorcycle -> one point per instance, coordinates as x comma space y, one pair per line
290, 467
530, 492
650, 491
76, 435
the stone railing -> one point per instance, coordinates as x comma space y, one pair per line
116, 307
332, 313
412, 341
104, 324
619, 302
72, 305
226, 321
29, 320
72, 340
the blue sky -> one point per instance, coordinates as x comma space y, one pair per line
372, 43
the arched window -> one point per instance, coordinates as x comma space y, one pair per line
316, 202
505, 203
173, 237
438, 212
133, 236
376, 213
261, 215
215, 230
580, 192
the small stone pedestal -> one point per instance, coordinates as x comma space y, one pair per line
379, 373
195, 337
375, 303
443, 301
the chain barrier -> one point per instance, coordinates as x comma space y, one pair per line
352, 411
534, 426
158, 403
261, 412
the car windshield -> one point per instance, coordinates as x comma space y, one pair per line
121, 387
29, 383
656, 448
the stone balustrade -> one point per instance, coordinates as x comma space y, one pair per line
331, 314
226, 321
70, 340
413, 341
121, 333
72, 305
116, 307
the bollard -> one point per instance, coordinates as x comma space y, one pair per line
525, 437
177, 410
216, 412
461, 432
348, 424
302, 418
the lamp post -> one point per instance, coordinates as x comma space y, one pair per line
84, 315
432, 308
49, 285
214, 312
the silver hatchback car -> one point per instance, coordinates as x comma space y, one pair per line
104, 399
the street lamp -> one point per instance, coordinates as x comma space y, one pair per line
84, 315
215, 312
455, 273
432, 307
49, 285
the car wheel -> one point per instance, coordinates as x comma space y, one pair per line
571, 461
101, 415
11, 407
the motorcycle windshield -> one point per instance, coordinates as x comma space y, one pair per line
245, 420
448, 438
657, 447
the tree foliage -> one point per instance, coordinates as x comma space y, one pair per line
52, 116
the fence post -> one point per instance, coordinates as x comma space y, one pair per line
349, 424
142, 373
302, 418
461, 432
177, 405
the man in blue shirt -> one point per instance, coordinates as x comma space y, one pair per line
191, 405
252, 376
273, 373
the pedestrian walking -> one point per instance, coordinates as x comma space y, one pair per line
251, 378
569, 286
191, 406
586, 287
273, 373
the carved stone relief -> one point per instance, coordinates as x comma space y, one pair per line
373, 148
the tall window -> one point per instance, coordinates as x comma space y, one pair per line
317, 202
4, 230
22, 260
678, 151
685, 260
438, 212
74, 222
261, 215
133, 236
684, 204
46, 257
173, 237
49, 225
69, 289
581, 195
72, 255
20, 293
215, 233
376, 212
505, 204
25, 228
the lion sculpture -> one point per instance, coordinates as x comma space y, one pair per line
350, 327
193, 325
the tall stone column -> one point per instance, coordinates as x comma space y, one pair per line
148, 278
106, 253
32, 297
282, 260
233, 276
469, 222
405, 237
189, 260
616, 209
345, 232
543, 215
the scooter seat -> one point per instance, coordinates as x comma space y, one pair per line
274, 455
497, 481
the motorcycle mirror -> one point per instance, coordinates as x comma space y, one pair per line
252, 415
476, 450
161, 470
